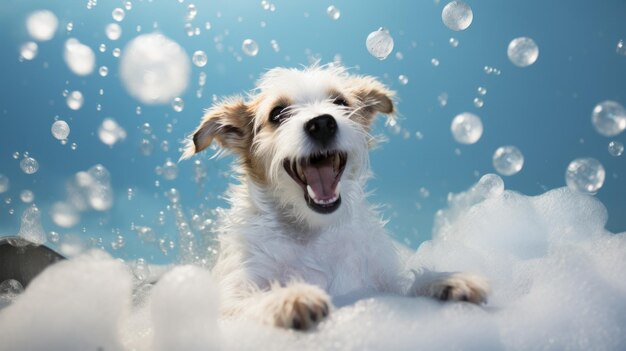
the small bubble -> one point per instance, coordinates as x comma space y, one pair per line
442, 99
75, 100
104, 71
74, 146
169, 170
118, 14
191, 12
29, 165
27, 196
616, 148
478, 102
454, 42
138, 110
274, 45
178, 104
70, 26
424, 193
113, 31
621, 47
118, 242
250, 47
333, 12
16, 155
434, 62
404, 80
102, 47
54, 237
28, 50
199, 58
482, 91
116, 52
609, 118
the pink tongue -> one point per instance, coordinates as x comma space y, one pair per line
321, 177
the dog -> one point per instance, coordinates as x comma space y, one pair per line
300, 229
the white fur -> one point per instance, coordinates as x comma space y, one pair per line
274, 249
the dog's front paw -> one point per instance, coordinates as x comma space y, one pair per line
457, 287
298, 306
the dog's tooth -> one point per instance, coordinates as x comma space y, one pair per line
336, 162
338, 188
310, 191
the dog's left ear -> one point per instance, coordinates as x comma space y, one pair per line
228, 122
373, 96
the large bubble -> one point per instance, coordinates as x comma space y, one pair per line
508, 160
466, 128
523, 51
457, 15
609, 118
154, 69
379, 43
585, 175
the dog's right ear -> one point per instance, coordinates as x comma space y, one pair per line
228, 122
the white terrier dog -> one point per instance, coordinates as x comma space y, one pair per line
300, 228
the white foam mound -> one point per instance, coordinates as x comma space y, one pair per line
558, 281
154, 68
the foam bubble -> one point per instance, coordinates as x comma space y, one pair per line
42, 25
154, 69
79, 57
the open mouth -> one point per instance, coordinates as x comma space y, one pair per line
319, 176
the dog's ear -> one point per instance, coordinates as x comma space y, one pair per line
228, 122
373, 96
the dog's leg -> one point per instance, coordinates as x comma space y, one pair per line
450, 286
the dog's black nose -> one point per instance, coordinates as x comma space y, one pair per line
321, 128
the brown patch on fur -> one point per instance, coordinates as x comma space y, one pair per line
373, 98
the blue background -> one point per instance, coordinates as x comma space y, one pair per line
544, 109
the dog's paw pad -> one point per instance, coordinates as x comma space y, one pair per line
301, 307
461, 287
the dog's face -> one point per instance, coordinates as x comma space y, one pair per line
302, 136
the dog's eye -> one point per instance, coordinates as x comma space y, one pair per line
276, 115
340, 101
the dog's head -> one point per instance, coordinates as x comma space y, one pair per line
301, 136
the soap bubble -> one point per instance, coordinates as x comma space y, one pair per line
118, 14
154, 69
454, 42
27, 196
434, 62
169, 170
79, 58
466, 128
199, 58
478, 102
585, 175
113, 31
274, 45
490, 186
508, 160
609, 118
75, 100
250, 47
616, 148
4, 183
523, 51
42, 24
104, 71
60, 130
457, 15
191, 12
482, 90
64, 215
178, 104
404, 80
110, 132
28, 50
621, 48
29, 165
333, 12
379, 43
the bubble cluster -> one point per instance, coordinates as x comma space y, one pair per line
75, 100
29, 165
333, 12
79, 57
250, 47
110, 132
616, 148
467, 128
457, 15
523, 51
379, 43
29, 50
199, 58
508, 160
585, 175
609, 118
154, 69
42, 25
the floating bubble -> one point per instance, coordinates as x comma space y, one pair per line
116, 52
54, 237
113, 31
64, 215
508, 160
609, 118
60, 130
178, 104
442, 99
585, 175
118, 14
490, 186
74, 146
4, 183
478, 102
27, 196
199, 58
191, 12
404, 80
454, 42
146, 147
42, 25
30, 228
424, 193
616, 148
128, 5
79, 58
154, 69
110, 132
104, 71
379, 43
75, 100
523, 51
250, 47
118, 242
457, 15
29, 50
333, 12
274, 45
482, 91
466, 128
99, 191
621, 47
29, 165
169, 170
70, 26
